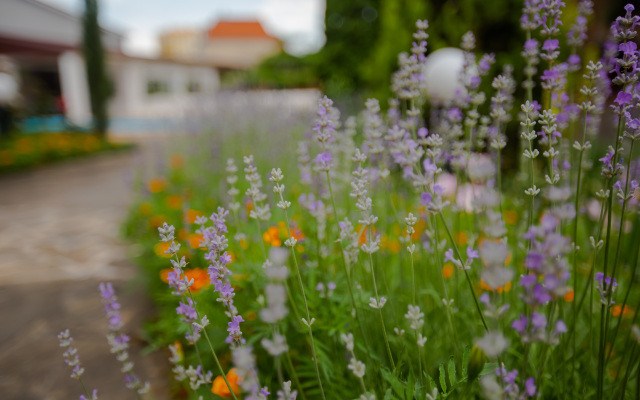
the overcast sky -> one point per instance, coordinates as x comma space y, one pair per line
300, 23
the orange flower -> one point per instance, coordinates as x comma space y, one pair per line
617, 310
200, 278
194, 240
178, 347
175, 161
461, 238
364, 234
220, 387
164, 274
160, 248
297, 234
447, 271
156, 221
6, 158
394, 246
501, 289
272, 236
174, 202
182, 234
569, 296
192, 215
156, 185
510, 217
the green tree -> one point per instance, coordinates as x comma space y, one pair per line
94, 56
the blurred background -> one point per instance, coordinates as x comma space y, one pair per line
116, 78
159, 55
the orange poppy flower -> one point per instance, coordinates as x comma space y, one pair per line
192, 215
200, 278
501, 289
220, 387
160, 249
174, 201
194, 240
447, 271
617, 311
156, 185
569, 296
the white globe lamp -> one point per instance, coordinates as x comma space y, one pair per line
441, 71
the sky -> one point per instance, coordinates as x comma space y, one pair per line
299, 23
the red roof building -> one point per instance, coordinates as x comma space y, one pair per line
237, 30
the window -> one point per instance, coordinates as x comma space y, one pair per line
193, 87
155, 86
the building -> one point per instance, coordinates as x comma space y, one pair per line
231, 45
45, 43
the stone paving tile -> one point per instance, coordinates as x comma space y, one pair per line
58, 239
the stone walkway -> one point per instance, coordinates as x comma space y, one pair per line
58, 239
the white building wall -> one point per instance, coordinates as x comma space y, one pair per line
32, 20
131, 78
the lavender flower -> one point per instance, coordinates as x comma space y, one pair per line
286, 393
118, 341
70, 355
261, 211
604, 286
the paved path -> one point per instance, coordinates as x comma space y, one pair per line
58, 239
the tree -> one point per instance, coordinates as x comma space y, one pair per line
94, 56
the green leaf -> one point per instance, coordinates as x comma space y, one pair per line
411, 384
432, 383
489, 368
389, 395
443, 378
465, 361
452, 372
393, 380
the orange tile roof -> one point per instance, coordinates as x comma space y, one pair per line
238, 29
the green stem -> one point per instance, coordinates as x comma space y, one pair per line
575, 236
626, 298
306, 306
466, 274
215, 357
375, 290
293, 373
84, 388
346, 270
604, 311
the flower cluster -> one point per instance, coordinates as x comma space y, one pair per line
118, 341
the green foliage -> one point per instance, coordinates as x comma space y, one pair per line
23, 151
94, 55
360, 55
283, 71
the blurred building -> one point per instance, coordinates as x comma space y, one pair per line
234, 45
46, 45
